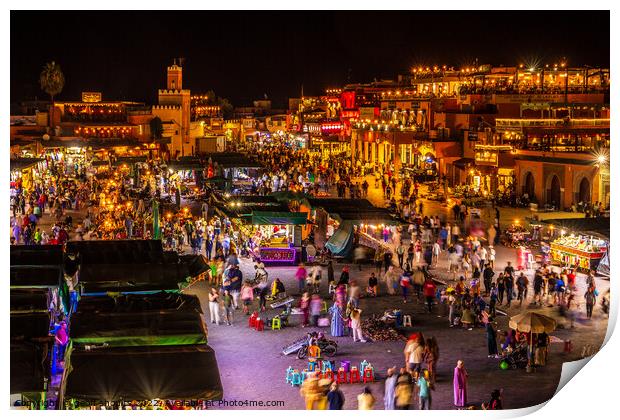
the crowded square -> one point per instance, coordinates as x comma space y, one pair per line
438, 240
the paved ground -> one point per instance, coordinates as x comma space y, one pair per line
252, 367
251, 360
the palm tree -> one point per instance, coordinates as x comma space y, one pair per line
52, 81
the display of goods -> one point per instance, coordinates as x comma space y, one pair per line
378, 330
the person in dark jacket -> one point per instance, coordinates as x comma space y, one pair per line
335, 398
487, 275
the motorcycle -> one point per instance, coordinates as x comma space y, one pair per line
328, 347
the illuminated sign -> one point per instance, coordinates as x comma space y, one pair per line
487, 158
91, 96
277, 254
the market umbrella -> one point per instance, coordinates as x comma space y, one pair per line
533, 323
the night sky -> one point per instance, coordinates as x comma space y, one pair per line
245, 55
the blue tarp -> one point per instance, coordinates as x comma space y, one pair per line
341, 242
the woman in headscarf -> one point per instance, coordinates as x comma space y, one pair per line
390, 389
337, 321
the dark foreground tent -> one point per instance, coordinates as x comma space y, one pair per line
128, 323
143, 373
129, 266
36, 266
30, 325
30, 366
29, 300
155, 303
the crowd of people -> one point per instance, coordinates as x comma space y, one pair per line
405, 264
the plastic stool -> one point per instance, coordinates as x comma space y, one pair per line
260, 325
406, 320
275, 323
296, 380
304, 374
328, 374
313, 366
252, 320
363, 365
289, 374
346, 365
342, 376
354, 376
327, 365
369, 374
568, 346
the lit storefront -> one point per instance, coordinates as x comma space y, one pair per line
494, 170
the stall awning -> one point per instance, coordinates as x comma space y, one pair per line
29, 300
30, 325
595, 226
102, 278
134, 328
129, 266
185, 166
29, 366
24, 163
128, 160
144, 373
462, 163
39, 266
279, 218
36, 276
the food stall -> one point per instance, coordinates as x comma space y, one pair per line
581, 243
266, 227
516, 235
581, 251
273, 235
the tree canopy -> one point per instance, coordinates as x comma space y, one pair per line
52, 80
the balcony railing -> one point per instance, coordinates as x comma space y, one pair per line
503, 123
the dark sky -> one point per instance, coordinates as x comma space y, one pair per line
244, 55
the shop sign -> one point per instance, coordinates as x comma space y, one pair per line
487, 158
472, 136
91, 96
277, 254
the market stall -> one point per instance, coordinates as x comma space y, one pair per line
516, 235
581, 251
265, 227
24, 172
581, 243
274, 235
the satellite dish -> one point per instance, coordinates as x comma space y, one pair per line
46, 137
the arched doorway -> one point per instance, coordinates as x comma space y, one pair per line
584, 190
529, 186
554, 193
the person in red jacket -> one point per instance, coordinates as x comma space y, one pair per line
429, 293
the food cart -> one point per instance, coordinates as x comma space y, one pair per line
516, 235
581, 243
583, 252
